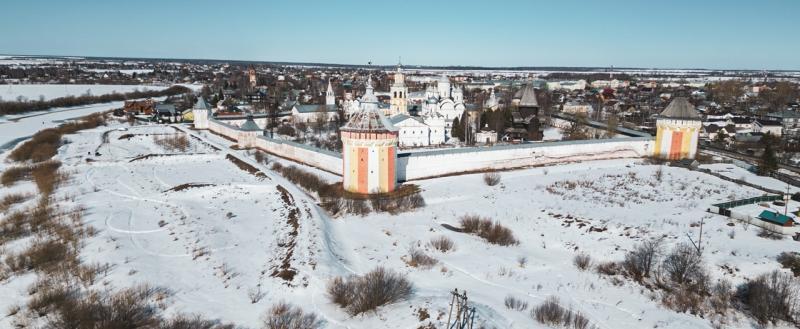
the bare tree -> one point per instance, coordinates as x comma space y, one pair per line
641, 261
683, 264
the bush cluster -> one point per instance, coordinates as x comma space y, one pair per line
286, 316
44, 144
442, 243
491, 231
551, 313
359, 294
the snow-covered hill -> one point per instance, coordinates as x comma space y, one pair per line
218, 236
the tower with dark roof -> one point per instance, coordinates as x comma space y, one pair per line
677, 130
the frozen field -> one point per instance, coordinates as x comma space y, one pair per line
35, 91
192, 221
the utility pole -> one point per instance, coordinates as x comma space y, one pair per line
699, 244
460, 313
786, 200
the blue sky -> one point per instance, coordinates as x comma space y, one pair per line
624, 33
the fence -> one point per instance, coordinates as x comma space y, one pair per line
726, 210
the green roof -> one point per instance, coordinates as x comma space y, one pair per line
250, 125
774, 217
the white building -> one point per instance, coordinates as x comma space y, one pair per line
412, 131
774, 128
577, 108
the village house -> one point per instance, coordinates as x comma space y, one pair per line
774, 128
144, 107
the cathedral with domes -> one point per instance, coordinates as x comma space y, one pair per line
431, 122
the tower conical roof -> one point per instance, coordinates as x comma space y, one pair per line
528, 97
250, 124
680, 108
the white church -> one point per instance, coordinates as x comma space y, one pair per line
432, 125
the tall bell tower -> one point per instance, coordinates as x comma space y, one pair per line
399, 93
330, 98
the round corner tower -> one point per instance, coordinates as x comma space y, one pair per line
677, 130
369, 150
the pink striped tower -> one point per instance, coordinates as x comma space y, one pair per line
369, 152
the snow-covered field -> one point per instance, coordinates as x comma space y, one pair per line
215, 243
51, 91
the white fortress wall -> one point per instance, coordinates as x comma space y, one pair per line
419, 165
427, 164
326, 160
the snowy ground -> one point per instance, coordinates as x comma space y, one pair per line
736, 172
51, 91
214, 244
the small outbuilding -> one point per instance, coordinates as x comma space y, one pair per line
776, 218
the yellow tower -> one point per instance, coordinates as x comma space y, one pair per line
677, 129
399, 93
251, 73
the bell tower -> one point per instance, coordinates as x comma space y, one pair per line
330, 98
399, 93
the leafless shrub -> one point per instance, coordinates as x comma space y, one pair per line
14, 174
515, 304
522, 261
285, 316
13, 310
659, 174
442, 243
44, 144
261, 157
582, 261
43, 255
47, 177
769, 234
193, 322
608, 268
492, 232
359, 294
491, 178
771, 297
255, 294
417, 258
175, 142
9, 200
129, 308
640, 261
551, 313
721, 295
683, 264
791, 261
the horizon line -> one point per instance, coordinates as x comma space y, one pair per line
479, 67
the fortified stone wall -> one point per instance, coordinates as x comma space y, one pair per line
427, 164
419, 165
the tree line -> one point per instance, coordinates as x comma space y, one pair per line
18, 107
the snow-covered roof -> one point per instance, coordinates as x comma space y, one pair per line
528, 96
397, 119
680, 108
369, 120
